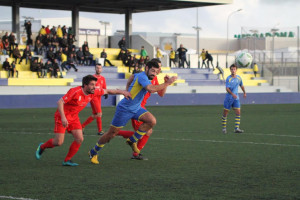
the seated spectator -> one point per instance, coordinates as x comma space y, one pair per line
1, 47
72, 51
26, 54
59, 32
88, 57
47, 42
56, 70
71, 41
122, 44
104, 55
80, 56
137, 68
53, 31
16, 54
142, 60
47, 68
147, 59
64, 42
13, 70
6, 45
50, 55
5, 36
122, 56
131, 63
39, 37
47, 29
71, 62
38, 48
66, 51
55, 42
43, 68
6, 66
35, 67
12, 41
85, 44
58, 55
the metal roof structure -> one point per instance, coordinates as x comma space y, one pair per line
113, 6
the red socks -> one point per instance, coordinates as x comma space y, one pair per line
72, 150
141, 143
126, 134
87, 121
48, 144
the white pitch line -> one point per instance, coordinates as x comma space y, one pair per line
182, 139
18, 198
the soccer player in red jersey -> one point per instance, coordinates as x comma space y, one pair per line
96, 101
66, 117
135, 123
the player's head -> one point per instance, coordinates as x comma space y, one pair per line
152, 69
98, 68
233, 69
89, 84
158, 62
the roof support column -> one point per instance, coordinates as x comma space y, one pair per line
128, 27
16, 20
75, 24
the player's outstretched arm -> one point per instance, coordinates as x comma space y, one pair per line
129, 81
60, 108
126, 94
162, 92
155, 88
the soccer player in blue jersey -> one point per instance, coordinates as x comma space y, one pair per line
131, 109
233, 82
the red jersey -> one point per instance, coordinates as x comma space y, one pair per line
101, 82
75, 100
148, 94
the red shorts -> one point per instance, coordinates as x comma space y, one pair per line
136, 124
72, 125
96, 105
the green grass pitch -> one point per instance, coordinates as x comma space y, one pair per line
189, 157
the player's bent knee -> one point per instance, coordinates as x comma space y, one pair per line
149, 132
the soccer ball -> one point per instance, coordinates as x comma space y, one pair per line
243, 59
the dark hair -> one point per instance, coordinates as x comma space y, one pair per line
98, 64
155, 60
87, 79
233, 65
151, 64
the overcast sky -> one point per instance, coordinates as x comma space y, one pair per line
282, 14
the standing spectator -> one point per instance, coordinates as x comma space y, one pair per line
64, 42
182, 56
71, 62
2, 48
13, 70
255, 69
26, 54
143, 52
35, 67
47, 29
64, 30
209, 59
27, 26
84, 46
104, 55
6, 46
5, 36
12, 41
122, 44
55, 42
59, 32
16, 53
88, 57
38, 49
203, 57
47, 42
172, 57
158, 54
43, 31
80, 56
53, 31
6, 66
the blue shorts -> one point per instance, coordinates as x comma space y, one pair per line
231, 102
123, 116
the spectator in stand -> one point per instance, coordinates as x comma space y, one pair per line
36, 67
56, 69
209, 58
47, 42
172, 57
26, 55
53, 72
158, 54
182, 56
2, 48
64, 42
44, 68
142, 61
80, 56
16, 54
255, 69
55, 42
12, 41
85, 44
104, 55
122, 44
143, 52
59, 32
58, 55
137, 68
6, 45
72, 51
39, 37
47, 68
128, 55
88, 57
71, 62
47, 29
131, 63
13, 70
27, 26
122, 56
53, 31
66, 51
64, 30
51, 54
71, 41
38, 49
64, 66
203, 57
43, 31
5, 36
147, 59
6, 66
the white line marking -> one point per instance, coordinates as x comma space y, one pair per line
182, 139
18, 198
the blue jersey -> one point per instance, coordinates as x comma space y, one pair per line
137, 90
233, 84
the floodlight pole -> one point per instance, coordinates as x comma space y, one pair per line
198, 29
227, 43
105, 24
